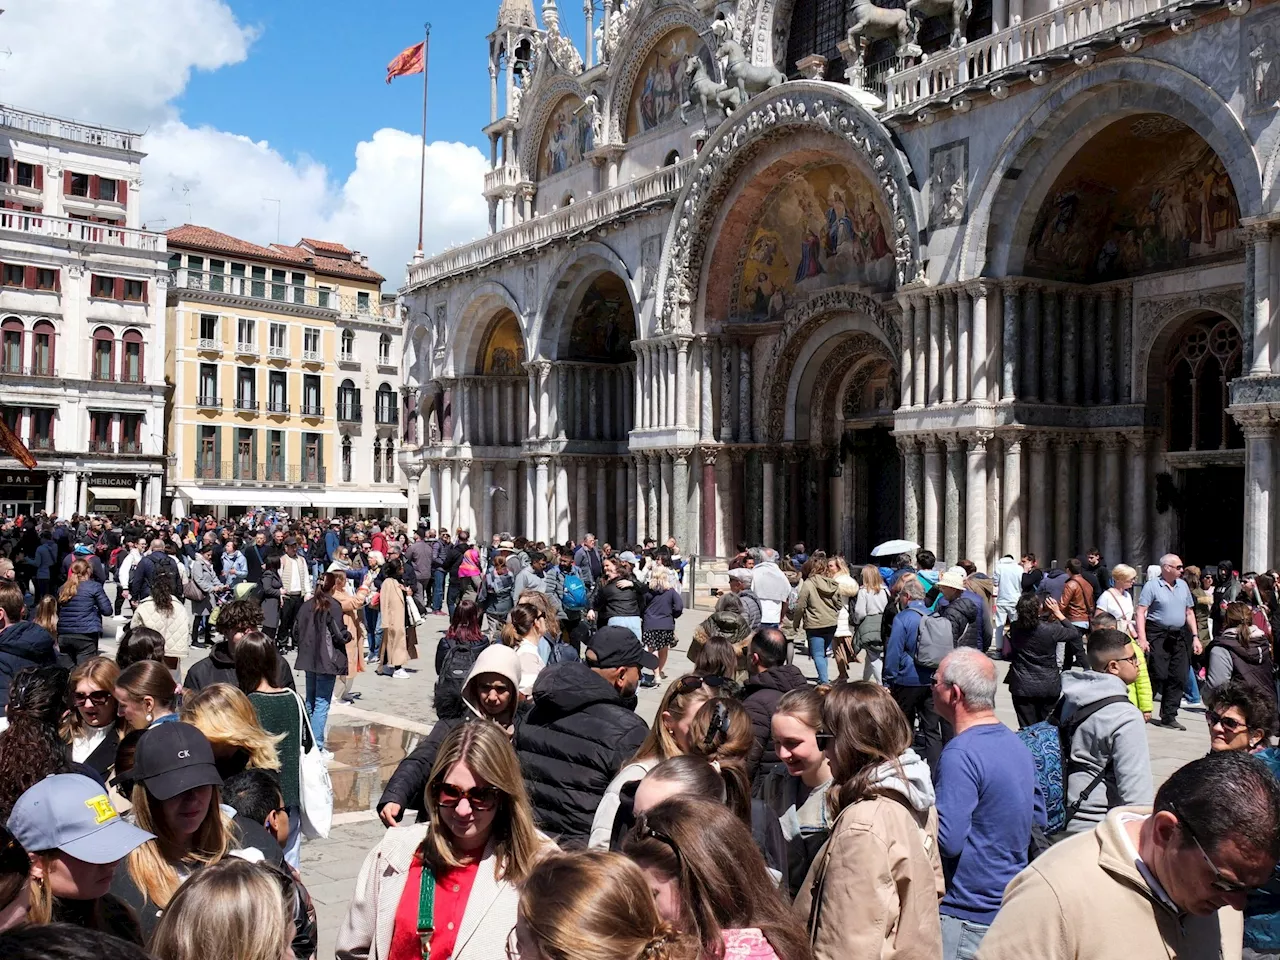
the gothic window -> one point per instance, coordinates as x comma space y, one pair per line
390, 453
377, 461
1202, 362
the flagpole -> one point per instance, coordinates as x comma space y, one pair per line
422, 171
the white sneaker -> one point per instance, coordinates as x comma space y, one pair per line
326, 755
401, 674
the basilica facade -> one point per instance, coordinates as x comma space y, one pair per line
768, 271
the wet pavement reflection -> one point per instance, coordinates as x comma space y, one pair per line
364, 757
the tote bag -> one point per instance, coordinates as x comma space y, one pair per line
314, 788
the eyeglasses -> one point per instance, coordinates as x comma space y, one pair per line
98, 698
1229, 724
480, 798
1132, 658
696, 681
824, 739
1219, 882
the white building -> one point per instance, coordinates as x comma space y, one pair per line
82, 292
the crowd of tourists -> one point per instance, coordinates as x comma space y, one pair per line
155, 803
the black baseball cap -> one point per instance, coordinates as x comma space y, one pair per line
173, 757
618, 647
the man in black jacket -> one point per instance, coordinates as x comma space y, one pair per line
22, 643
146, 569
235, 619
771, 677
580, 732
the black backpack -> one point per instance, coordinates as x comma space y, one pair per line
455, 667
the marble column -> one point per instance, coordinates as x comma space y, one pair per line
768, 491
1088, 347
744, 393
638, 390
908, 353
708, 492
1259, 237
1259, 437
592, 406
487, 529
680, 497
608, 427
1106, 346
633, 502
1109, 497
1031, 342
449, 518
1088, 496
1038, 497
411, 480
964, 346
602, 499
1049, 347
948, 346
528, 521
936, 314
82, 501
1012, 496
920, 368
726, 393
541, 524
682, 382
706, 426
562, 400
642, 498
621, 498
952, 520
912, 485
979, 363
667, 499
1062, 497
670, 373
933, 494
466, 505
1070, 346
975, 511
1124, 321
1009, 342
1135, 549
544, 399
652, 493
582, 501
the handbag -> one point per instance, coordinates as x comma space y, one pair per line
412, 615
315, 790
191, 592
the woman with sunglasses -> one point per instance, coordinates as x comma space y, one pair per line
709, 880
449, 886
1240, 718
873, 890
93, 725
668, 737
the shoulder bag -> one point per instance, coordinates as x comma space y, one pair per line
315, 791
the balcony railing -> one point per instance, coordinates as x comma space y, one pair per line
209, 344
278, 353
251, 288
40, 443
28, 370
311, 356
99, 374
312, 411
273, 407
246, 403
46, 126
501, 178
130, 446
1065, 24
233, 472
350, 412
102, 446
386, 417
81, 231
246, 349
583, 215
210, 402
347, 358
131, 376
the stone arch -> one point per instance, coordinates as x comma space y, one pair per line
473, 321
565, 289
799, 106
1158, 321
827, 373
635, 48
544, 98
1005, 203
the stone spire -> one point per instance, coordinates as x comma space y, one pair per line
550, 16
517, 13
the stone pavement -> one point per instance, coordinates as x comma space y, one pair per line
391, 717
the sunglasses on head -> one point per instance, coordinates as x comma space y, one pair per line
98, 698
480, 798
695, 682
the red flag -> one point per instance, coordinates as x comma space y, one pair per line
409, 61
14, 447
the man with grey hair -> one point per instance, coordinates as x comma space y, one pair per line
1167, 632
740, 579
987, 801
770, 585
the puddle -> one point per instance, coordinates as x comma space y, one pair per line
364, 757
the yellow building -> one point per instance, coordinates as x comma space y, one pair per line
269, 351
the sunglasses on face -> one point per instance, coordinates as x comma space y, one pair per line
1219, 882
480, 798
824, 739
695, 682
98, 698
1229, 724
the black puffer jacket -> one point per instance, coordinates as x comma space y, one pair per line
619, 598
760, 697
23, 644
571, 745
220, 667
1034, 670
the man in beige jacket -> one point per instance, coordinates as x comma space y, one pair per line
1150, 883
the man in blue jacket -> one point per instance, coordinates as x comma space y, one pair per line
908, 682
46, 561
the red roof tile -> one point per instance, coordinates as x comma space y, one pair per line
326, 246
204, 238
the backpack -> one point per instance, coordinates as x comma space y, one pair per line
934, 641
562, 652
575, 592
1049, 742
459, 658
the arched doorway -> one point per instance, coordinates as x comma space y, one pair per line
870, 465
1205, 486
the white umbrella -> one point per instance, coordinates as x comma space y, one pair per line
891, 548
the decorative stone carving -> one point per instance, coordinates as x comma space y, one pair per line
1262, 46
650, 257
799, 104
948, 184
1154, 315
530, 285
749, 78
651, 31
559, 48
440, 330
544, 95
778, 376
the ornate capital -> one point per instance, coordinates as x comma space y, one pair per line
542, 462
709, 455
1038, 442
978, 441
979, 288
1255, 231
1255, 424
1111, 442
907, 445
932, 444
682, 454
1013, 443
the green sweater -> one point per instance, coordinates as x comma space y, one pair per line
279, 713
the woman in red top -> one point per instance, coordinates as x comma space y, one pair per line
447, 889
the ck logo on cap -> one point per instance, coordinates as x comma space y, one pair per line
184, 754
101, 807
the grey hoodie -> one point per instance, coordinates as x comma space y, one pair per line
1116, 733
916, 789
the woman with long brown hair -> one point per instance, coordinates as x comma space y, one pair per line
82, 604
711, 882
146, 695
449, 885
873, 890
322, 650
164, 613
93, 725
399, 640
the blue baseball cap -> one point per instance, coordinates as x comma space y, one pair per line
72, 813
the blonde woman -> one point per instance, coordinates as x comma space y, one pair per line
842, 644
175, 798
473, 853
227, 718
93, 726
868, 619
668, 737
234, 910
1117, 601
658, 623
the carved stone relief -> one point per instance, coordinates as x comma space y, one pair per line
949, 184
1262, 50
650, 257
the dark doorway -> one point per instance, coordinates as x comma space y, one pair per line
1210, 513
876, 479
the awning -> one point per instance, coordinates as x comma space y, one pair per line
362, 498
114, 493
242, 497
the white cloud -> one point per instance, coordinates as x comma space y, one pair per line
133, 58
